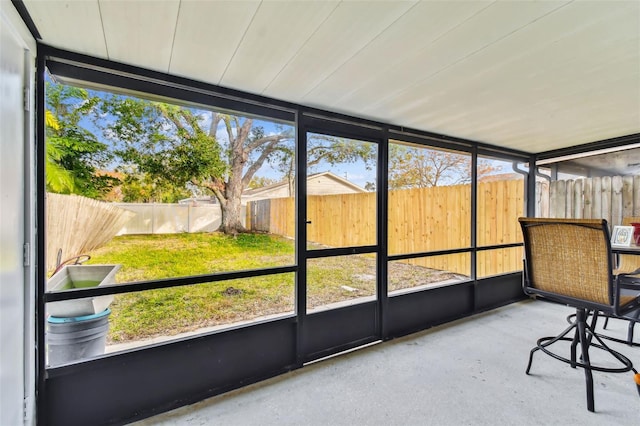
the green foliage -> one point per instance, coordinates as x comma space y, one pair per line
167, 152
74, 154
174, 146
162, 143
162, 256
58, 179
334, 150
143, 188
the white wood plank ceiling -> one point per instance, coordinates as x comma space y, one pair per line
529, 75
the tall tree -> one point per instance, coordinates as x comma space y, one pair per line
179, 145
74, 154
422, 168
210, 150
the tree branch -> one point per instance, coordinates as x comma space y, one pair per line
266, 152
265, 140
215, 186
215, 120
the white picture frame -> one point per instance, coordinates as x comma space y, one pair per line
622, 236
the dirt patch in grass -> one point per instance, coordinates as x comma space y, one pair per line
404, 275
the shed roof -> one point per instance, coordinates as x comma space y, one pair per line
252, 193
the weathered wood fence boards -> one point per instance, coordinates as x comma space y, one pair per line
76, 225
610, 197
259, 216
425, 219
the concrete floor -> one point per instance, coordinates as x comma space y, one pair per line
469, 372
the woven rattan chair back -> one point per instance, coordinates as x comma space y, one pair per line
569, 257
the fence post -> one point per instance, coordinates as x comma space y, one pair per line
557, 199
596, 211
189, 209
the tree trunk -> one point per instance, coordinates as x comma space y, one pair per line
232, 217
232, 203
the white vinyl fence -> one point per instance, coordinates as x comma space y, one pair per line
171, 218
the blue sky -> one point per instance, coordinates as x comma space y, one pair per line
356, 172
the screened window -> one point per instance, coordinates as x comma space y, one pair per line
141, 189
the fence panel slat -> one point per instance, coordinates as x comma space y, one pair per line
587, 191
577, 199
596, 210
542, 199
557, 199
569, 212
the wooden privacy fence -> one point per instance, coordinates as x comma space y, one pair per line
610, 197
424, 219
76, 225
419, 220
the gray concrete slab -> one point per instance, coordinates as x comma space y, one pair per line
468, 372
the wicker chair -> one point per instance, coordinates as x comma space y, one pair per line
627, 264
569, 261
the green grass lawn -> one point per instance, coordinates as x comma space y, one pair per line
170, 311
175, 310
146, 257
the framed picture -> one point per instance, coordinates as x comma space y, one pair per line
622, 236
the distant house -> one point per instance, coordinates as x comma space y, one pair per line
317, 184
324, 183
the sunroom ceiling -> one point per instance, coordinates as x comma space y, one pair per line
529, 75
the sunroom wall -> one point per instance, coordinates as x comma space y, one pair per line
246, 353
